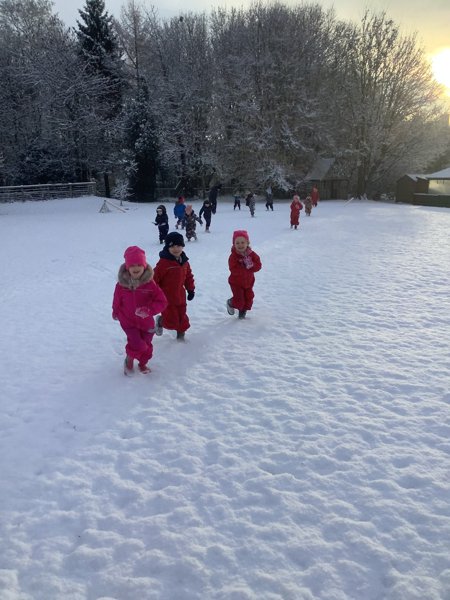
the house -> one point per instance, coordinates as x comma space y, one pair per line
439, 182
431, 189
328, 176
410, 184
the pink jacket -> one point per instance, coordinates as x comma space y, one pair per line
136, 302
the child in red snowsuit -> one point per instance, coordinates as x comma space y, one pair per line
137, 298
243, 264
173, 273
315, 196
296, 207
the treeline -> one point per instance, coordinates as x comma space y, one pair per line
244, 96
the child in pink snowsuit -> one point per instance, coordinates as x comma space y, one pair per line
137, 298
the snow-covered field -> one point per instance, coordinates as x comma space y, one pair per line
301, 454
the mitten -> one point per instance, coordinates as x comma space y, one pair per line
190, 295
247, 260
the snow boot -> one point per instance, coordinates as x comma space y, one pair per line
242, 314
128, 366
180, 336
230, 309
144, 369
159, 325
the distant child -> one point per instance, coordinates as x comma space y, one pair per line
296, 207
190, 220
243, 264
162, 221
308, 205
237, 200
173, 274
250, 201
269, 198
315, 196
206, 213
137, 298
178, 211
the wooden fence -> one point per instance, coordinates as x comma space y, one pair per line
16, 193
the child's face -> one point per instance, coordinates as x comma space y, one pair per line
176, 251
241, 244
136, 271
159, 211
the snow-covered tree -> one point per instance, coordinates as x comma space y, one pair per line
385, 102
99, 48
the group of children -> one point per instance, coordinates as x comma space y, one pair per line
185, 218
141, 293
296, 206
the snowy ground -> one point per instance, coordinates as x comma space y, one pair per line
301, 454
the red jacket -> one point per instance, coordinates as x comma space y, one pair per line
174, 277
135, 302
240, 274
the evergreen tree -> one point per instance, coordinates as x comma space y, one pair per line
140, 154
99, 48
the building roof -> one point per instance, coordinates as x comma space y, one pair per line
444, 174
415, 176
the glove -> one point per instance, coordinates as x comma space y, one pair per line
190, 295
248, 263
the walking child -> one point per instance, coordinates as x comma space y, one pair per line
296, 207
162, 221
269, 198
237, 200
206, 212
137, 298
190, 220
250, 201
243, 264
174, 275
308, 205
178, 211
315, 196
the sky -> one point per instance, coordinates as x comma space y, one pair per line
431, 20
300, 454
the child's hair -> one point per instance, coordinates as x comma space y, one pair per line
161, 207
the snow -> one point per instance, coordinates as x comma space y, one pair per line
300, 454
444, 174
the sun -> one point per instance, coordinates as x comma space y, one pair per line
440, 64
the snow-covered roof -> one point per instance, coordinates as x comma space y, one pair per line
320, 169
444, 174
415, 176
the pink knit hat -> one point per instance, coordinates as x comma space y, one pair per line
134, 256
240, 233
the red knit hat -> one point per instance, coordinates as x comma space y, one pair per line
240, 233
134, 256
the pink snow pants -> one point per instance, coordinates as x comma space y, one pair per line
139, 344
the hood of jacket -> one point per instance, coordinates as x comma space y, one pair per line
125, 279
166, 254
